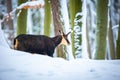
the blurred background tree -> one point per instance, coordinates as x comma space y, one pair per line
57, 24
101, 29
47, 18
118, 43
10, 22
22, 19
75, 7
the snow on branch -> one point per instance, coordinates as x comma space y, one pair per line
26, 5
31, 4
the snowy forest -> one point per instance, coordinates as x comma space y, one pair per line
91, 23
94, 35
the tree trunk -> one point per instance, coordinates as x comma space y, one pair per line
22, 19
57, 24
47, 18
66, 24
10, 22
75, 7
88, 25
118, 43
101, 30
72, 16
111, 41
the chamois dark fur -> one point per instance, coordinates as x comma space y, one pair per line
39, 44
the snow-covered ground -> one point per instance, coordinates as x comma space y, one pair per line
17, 65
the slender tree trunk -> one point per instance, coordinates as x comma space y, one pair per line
114, 13
75, 7
10, 22
101, 30
72, 16
56, 16
111, 42
57, 24
47, 18
88, 44
88, 25
22, 20
9, 8
118, 43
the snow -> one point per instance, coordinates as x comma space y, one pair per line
31, 4
17, 65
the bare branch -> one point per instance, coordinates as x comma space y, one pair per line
27, 5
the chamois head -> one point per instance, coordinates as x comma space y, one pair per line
65, 40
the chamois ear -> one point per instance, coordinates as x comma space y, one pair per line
68, 33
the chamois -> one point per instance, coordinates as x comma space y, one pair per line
39, 44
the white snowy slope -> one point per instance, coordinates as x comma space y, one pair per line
17, 65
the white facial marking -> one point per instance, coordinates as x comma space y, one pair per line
64, 42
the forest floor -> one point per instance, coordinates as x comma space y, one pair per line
17, 65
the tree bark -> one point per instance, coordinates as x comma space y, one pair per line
88, 25
56, 16
47, 18
57, 24
22, 19
101, 30
118, 43
111, 41
10, 22
72, 16
75, 7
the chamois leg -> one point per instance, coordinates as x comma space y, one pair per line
50, 53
